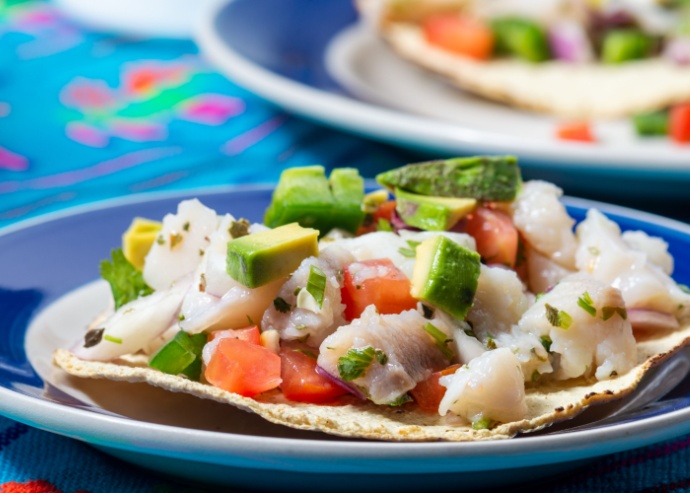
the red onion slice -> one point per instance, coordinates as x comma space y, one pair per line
569, 42
652, 320
677, 50
340, 383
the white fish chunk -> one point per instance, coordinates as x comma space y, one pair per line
136, 324
306, 321
176, 252
408, 354
644, 285
544, 222
490, 387
499, 302
586, 322
216, 301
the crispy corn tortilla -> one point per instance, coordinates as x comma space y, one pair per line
591, 90
547, 404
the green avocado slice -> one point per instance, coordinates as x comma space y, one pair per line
485, 178
259, 258
446, 275
431, 213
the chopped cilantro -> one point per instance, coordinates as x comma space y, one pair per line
316, 284
281, 305
483, 424
180, 317
116, 340
440, 339
185, 226
491, 343
538, 296
536, 376
546, 342
410, 252
403, 399
126, 282
356, 362
384, 225
558, 318
306, 352
160, 240
609, 311
585, 302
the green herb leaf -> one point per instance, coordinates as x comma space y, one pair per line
440, 339
403, 399
356, 362
585, 302
410, 252
491, 343
113, 339
126, 282
609, 311
558, 318
535, 376
281, 305
316, 284
546, 342
306, 352
384, 225
483, 424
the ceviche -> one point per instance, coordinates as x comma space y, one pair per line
456, 302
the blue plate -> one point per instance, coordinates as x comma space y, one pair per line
310, 57
45, 263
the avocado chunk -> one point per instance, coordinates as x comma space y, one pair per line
522, 38
347, 188
259, 258
137, 240
431, 213
306, 196
485, 178
446, 275
624, 45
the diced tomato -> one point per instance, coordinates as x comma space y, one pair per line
243, 367
249, 334
375, 282
301, 383
383, 211
464, 35
495, 234
679, 123
575, 131
428, 393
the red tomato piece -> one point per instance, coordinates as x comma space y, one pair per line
243, 367
495, 234
679, 123
428, 393
384, 211
249, 334
466, 36
301, 383
375, 282
575, 131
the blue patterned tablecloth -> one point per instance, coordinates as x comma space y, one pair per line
86, 117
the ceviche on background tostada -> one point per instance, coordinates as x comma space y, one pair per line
574, 59
455, 303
